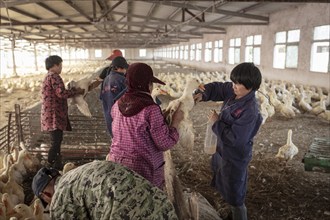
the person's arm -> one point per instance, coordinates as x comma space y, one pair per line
104, 73
100, 78
216, 91
95, 84
58, 86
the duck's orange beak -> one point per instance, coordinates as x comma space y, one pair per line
163, 92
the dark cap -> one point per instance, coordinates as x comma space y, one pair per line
141, 71
41, 180
114, 54
120, 62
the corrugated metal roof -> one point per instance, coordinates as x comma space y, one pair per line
127, 24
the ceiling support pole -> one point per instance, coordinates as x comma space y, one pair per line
13, 56
35, 56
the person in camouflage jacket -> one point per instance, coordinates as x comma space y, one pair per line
101, 190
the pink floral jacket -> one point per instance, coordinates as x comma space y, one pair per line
54, 108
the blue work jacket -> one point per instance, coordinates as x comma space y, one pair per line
113, 87
239, 121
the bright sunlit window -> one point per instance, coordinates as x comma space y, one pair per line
320, 49
98, 53
286, 49
177, 52
142, 52
208, 51
217, 53
234, 50
181, 52
192, 51
186, 52
252, 49
199, 52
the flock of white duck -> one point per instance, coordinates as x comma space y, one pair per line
14, 168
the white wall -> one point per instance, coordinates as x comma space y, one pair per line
304, 17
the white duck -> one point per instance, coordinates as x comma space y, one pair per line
38, 210
320, 108
8, 203
156, 92
79, 100
24, 210
303, 104
4, 175
185, 103
325, 115
289, 150
287, 109
2, 212
68, 166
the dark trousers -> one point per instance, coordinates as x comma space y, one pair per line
239, 212
54, 153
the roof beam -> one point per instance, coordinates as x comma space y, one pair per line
194, 16
55, 33
215, 10
150, 13
75, 7
109, 10
163, 21
133, 23
54, 12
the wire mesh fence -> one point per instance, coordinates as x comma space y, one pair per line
87, 141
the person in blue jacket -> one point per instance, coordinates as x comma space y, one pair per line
235, 128
113, 87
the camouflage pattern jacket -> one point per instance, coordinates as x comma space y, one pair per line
103, 190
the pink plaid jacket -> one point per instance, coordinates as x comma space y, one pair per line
54, 108
139, 142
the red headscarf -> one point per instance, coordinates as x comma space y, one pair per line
137, 97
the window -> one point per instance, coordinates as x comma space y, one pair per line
173, 53
234, 50
142, 52
208, 52
320, 49
98, 53
164, 52
199, 52
181, 52
286, 49
177, 49
192, 52
217, 53
252, 49
186, 52
123, 52
168, 52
